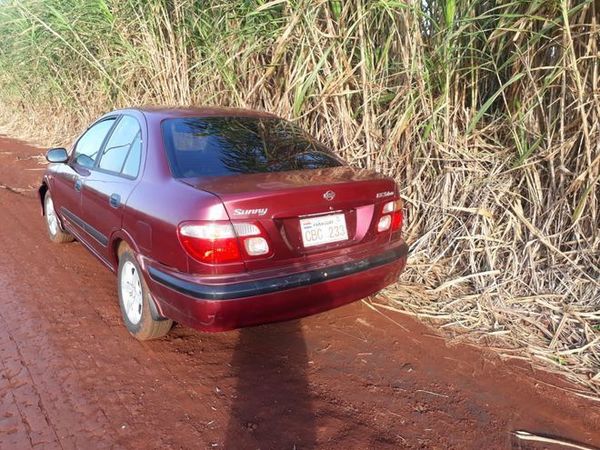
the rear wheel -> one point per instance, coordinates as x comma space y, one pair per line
53, 225
134, 299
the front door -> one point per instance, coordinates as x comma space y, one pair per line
68, 182
112, 179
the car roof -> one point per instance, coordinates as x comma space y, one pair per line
165, 112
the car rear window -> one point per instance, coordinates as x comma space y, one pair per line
220, 146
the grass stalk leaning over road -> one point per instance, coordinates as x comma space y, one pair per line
487, 113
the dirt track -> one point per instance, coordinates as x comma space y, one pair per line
353, 378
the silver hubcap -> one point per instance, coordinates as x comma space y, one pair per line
131, 292
51, 216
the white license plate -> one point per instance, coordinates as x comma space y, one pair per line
323, 229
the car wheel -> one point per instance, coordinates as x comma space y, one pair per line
134, 299
53, 225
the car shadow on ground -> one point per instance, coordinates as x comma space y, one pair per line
272, 407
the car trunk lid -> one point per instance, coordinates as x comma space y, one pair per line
288, 204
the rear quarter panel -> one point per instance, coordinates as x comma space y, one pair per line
160, 203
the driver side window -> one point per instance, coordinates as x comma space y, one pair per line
88, 146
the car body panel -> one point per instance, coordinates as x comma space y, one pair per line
62, 184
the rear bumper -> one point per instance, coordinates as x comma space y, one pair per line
226, 306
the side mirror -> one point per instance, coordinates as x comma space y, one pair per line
57, 155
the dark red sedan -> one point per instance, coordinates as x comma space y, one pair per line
222, 218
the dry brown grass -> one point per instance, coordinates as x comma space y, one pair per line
487, 114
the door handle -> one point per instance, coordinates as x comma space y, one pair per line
78, 184
115, 200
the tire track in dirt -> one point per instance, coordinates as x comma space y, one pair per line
24, 412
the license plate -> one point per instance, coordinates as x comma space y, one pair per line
323, 229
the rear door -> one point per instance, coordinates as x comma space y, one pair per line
112, 179
69, 180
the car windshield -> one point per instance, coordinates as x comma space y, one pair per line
219, 146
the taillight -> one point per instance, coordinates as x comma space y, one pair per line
256, 246
397, 220
218, 242
210, 242
253, 238
391, 217
384, 223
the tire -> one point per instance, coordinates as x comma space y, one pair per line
55, 230
134, 300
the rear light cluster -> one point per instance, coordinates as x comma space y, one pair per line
218, 242
391, 217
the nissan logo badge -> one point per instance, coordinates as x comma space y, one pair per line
329, 195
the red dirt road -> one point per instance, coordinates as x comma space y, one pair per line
71, 376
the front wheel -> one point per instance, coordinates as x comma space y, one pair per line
53, 225
134, 299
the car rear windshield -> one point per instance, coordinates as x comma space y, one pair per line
219, 146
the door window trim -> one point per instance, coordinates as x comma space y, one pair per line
73, 160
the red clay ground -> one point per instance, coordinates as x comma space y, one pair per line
71, 376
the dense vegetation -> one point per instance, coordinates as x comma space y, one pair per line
487, 112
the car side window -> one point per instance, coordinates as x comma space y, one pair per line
123, 148
88, 146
